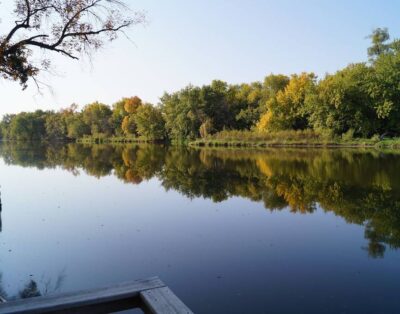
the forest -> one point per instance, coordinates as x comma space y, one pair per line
361, 100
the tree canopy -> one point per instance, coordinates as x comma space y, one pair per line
361, 100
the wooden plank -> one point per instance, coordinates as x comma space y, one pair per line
66, 301
163, 300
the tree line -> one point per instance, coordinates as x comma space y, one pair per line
361, 100
127, 117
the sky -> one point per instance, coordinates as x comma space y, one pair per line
194, 42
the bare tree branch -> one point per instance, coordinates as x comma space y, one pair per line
69, 27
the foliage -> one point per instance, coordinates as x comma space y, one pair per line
132, 104
118, 115
286, 109
56, 127
129, 125
246, 100
206, 128
260, 138
379, 38
194, 111
27, 126
98, 117
341, 101
76, 127
361, 100
149, 122
68, 27
349, 135
182, 113
384, 89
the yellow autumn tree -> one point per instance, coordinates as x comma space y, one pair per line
286, 110
128, 125
132, 104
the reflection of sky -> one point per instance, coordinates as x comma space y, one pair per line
214, 256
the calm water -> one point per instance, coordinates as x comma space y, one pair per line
274, 231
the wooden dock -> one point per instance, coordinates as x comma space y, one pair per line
151, 295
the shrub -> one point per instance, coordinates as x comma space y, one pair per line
348, 136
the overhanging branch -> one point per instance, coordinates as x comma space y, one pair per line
69, 27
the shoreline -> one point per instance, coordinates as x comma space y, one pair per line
359, 143
393, 144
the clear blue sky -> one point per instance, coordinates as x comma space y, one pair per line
189, 41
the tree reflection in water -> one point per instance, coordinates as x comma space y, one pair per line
34, 289
363, 187
3, 294
30, 290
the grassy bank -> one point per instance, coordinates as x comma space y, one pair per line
115, 140
307, 138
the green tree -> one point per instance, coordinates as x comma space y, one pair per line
246, 104
379, 38
98, 117
212, 104
56, 127
118, 115
5, 125
183, 113
28, 126
384, 88
149, 122
76, 127
341, 102
274, 83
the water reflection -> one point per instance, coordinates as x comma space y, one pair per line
3, 294
30, 290
360, 186
33, 288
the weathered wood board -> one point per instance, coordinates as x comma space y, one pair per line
152, 293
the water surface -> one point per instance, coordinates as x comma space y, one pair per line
230, 231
